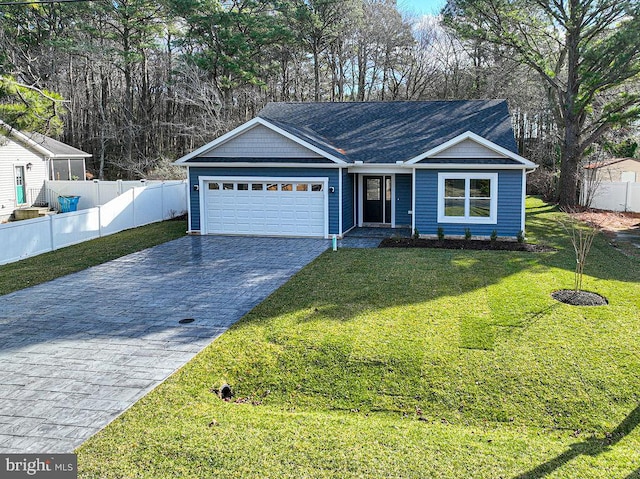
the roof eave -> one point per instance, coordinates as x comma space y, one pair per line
247, 164
25, 139
475, 166
40, 148
69, 157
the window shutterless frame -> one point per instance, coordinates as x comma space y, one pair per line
467, 198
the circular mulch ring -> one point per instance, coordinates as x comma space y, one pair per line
579, 298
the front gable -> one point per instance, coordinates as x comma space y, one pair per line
468, 149
472, 149
259, 141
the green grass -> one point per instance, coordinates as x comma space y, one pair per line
407, 363
48, 266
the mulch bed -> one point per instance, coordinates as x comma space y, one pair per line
579, 298
463, 244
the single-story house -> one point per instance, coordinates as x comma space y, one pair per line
26, 161
321, 169
619, 169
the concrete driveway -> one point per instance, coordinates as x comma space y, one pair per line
78, 351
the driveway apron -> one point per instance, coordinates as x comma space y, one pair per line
78, 351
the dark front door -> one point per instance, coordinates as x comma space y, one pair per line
376, 200
373, 199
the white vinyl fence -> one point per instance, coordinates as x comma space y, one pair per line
94, 193
616, 196
135, 207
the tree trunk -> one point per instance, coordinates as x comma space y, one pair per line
362, 72
569, 161
570, 147
316, 71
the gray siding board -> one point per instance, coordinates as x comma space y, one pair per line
403, 200
509, 205
468, 149
331, 173
260, 142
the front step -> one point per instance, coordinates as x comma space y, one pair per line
31, 212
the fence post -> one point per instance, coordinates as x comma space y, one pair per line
133, 205
119, 183
96, 185
51, 237
99, 221
627, 200
162, 201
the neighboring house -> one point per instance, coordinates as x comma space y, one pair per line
612, 185
321, 169
26, 161
619, 169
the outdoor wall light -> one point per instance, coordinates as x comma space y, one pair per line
331, 189
29, 165
196, 187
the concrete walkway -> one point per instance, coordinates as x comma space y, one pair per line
77, 351
371, 237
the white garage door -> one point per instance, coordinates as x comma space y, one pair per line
264, 206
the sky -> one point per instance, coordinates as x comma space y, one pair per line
422, 7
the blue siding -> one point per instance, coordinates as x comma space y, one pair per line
403, 200
509, 205
347, 200
331, 173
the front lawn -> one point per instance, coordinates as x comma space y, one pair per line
407, 363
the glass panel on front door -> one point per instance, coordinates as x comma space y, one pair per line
377, 199
387, 199
20, 191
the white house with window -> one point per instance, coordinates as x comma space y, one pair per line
26, 161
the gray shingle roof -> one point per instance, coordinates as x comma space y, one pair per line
386, 132
59, 149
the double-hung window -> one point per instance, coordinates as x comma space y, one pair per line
467, 197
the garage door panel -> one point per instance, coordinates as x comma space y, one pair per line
287, 211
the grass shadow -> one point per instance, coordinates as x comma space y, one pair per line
591, 447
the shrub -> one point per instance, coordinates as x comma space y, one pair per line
494, 236
467, 234
440, 233
416, 233
581, 236
520, 236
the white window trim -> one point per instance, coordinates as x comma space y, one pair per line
69, 177
493, 206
